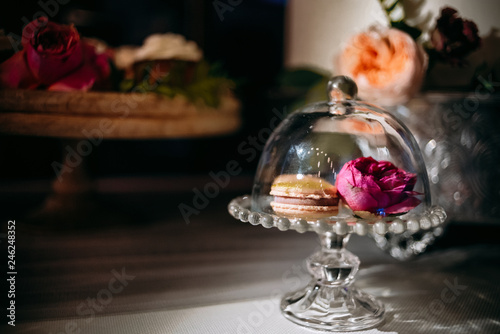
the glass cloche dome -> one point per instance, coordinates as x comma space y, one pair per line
345, 154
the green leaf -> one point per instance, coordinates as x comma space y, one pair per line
484, 75
166, 91
401, 24
126, 85
390, 8
412, 31
300, 78
206, 87
318, 91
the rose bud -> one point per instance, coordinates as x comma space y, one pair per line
454, 38
377, 187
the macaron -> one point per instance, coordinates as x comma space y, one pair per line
304, 196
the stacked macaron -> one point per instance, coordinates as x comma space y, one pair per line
304, 196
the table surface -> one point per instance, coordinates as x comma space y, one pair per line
218, 275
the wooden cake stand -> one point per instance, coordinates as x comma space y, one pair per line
83, 119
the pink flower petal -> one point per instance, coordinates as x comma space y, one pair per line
50, 68
358, 200
81, 79
30, 30
367, 182
95, 68
15, 73
403, 206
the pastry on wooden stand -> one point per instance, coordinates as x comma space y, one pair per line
83, 119
163, 100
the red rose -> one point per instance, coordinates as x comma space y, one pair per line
454, 38
378, 187
54, 57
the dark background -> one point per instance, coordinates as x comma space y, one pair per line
248, 42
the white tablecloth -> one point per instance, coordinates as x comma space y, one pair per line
246, 317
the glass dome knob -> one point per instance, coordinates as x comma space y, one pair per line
341, 88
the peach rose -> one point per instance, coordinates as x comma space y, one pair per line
386, 63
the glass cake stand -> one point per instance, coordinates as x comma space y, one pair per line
337, 168
330, 301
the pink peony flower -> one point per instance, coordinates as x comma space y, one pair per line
378, 187
454, 38
386, 64
53, 57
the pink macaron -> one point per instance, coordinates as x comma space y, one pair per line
304, 196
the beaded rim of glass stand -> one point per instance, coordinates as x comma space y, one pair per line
435, 216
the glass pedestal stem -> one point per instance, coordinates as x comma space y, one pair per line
330, 302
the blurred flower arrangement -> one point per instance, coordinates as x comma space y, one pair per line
390, 63
55, 57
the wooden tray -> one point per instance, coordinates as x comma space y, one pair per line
113, 115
